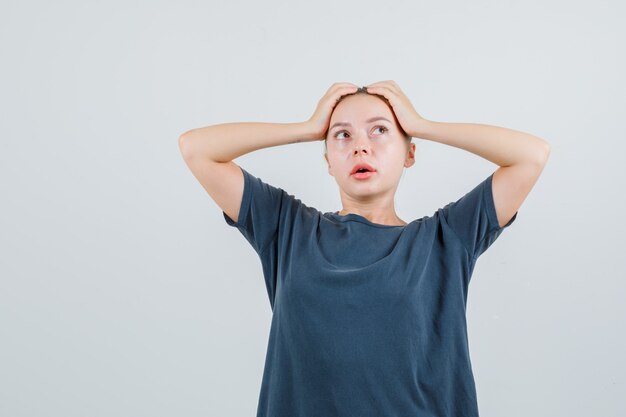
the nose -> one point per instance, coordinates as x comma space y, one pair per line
361, 146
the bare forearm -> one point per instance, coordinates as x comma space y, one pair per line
500, 145
227, 141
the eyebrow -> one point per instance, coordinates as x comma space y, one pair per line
370, 120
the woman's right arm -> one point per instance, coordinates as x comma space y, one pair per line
209, 151
227, 141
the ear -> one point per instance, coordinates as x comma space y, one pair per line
410, 156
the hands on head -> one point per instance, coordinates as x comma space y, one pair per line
405, 113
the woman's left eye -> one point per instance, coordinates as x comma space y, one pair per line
382, 127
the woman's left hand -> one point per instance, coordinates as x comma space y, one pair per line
406, 114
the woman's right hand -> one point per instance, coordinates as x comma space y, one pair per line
321, 117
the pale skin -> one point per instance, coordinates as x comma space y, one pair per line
209, 151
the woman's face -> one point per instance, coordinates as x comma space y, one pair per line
355, 137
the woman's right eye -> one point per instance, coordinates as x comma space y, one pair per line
338, 133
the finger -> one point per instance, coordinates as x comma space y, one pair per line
378, 85
339, 85
336, 87
346, 90
380, 90
346, 86
373, 85
339, 90
389, 84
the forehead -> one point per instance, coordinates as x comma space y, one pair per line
359, 108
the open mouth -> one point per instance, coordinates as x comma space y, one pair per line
362, 166
363, 174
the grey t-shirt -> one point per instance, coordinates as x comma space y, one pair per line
367, 319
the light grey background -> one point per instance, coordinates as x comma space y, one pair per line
124, 293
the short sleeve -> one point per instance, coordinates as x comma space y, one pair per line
473, 218
260, 212
265, 219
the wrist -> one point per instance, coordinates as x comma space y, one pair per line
309, 132
420, 128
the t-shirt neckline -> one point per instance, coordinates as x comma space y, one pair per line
362, 219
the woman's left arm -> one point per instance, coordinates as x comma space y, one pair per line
521, 157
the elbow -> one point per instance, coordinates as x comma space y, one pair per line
190, 149
181, 140
546, 150
183, 146
544, 154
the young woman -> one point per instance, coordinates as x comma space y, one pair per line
368, 311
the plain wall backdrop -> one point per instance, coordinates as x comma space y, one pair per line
123, 292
